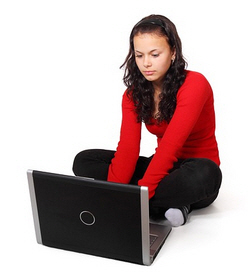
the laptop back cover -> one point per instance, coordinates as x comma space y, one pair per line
87, 216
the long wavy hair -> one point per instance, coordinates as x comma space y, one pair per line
140, 89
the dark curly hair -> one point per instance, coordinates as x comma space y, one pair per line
140, 89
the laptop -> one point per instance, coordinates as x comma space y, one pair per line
94, 217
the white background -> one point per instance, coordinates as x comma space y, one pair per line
61, 89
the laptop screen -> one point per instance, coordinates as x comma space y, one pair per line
89, 216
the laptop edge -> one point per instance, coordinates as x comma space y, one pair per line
34, 206
145, 226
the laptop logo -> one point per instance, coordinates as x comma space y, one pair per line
87, 218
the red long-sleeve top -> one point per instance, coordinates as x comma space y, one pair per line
189, 134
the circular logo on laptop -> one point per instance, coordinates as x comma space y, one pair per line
87, 218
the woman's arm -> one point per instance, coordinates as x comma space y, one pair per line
124, 162
191, 99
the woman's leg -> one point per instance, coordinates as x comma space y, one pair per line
93, 163
192, 183
195, 184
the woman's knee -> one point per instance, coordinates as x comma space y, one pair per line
90, 161
79, 161
206, 172
212, 172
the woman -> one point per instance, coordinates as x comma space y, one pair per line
178, 107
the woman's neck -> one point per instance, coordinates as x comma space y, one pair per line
156, 97
157, 87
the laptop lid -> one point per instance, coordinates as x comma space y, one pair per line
90, 216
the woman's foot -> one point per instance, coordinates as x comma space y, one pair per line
177, 216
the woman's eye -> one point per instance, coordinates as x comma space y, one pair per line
155, 55
138, 56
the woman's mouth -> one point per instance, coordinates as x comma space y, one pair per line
149, 73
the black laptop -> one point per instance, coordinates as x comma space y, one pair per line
94, 217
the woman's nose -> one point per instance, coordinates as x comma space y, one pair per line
147, 62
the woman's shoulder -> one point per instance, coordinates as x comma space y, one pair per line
127, 100
196, 80
193, 76
127, 95
195, 86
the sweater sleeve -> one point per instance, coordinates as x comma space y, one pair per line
191, 98
124, 162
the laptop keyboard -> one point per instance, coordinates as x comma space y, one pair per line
153, 238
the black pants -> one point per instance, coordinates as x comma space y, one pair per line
193, 182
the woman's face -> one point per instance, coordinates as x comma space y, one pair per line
153, 56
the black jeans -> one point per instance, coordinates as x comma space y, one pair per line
193, 182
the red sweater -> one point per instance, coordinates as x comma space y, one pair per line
190, 133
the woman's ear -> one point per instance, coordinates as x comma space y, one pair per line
174, 54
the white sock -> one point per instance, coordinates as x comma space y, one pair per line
175, 217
